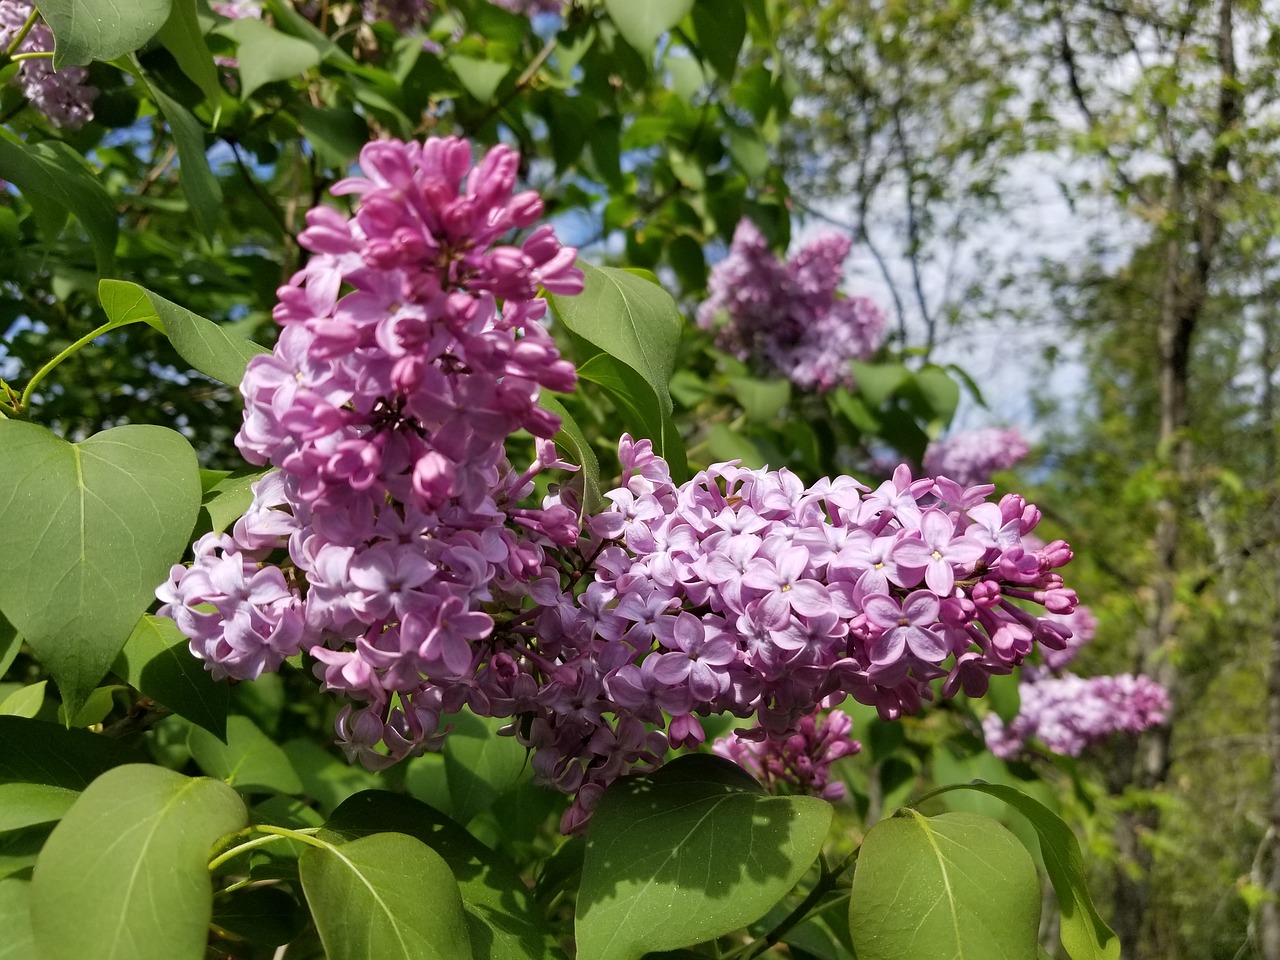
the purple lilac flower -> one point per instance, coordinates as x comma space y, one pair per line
62, 95
974, 455
237, 9
800, 763
420, 579
787, 316
1069, 714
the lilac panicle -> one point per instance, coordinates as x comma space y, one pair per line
1068, 714
800, 763
61, 95
788, 316
974, 455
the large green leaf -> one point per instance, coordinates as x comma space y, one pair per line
157, 661
266, 55
25, 701
248, 760
688, 854
503, 922
15, 920
202, 343
48, 753
387, 896
132, 856
85, 30
642, 23
227, 499
1084, 933
628, 318
51, 173
90, 529
958, 886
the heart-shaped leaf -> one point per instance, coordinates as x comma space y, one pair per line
248, 760
690, 853
90, 529
132, 855
386, 895
957, 885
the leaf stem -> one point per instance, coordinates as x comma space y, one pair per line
48, 367
22, 33
272, 835
32, 55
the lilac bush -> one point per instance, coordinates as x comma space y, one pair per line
787, 317
62, 96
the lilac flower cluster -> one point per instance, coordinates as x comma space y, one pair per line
974, 455
787, 316
800, 763
1068, 714
62, 95
385, 410
396, 546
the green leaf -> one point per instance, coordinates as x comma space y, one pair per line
266, 55
941, 394
1084, 933
52, 173
182, 37
15, 920
10, 645
261, 914
29, 804
386, 895
94, 710
957, 885
25, 702
47, 753
877, 382
204, 344
628, 318
642, 23
132, 855
640, 406
720, 27
336, 135
480, 764
573, 441
761, 400
91, 528
203, 193
478, 77
226, 500
500, 914
86, 30
687, 854
249, 760
156, 660
327, 778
